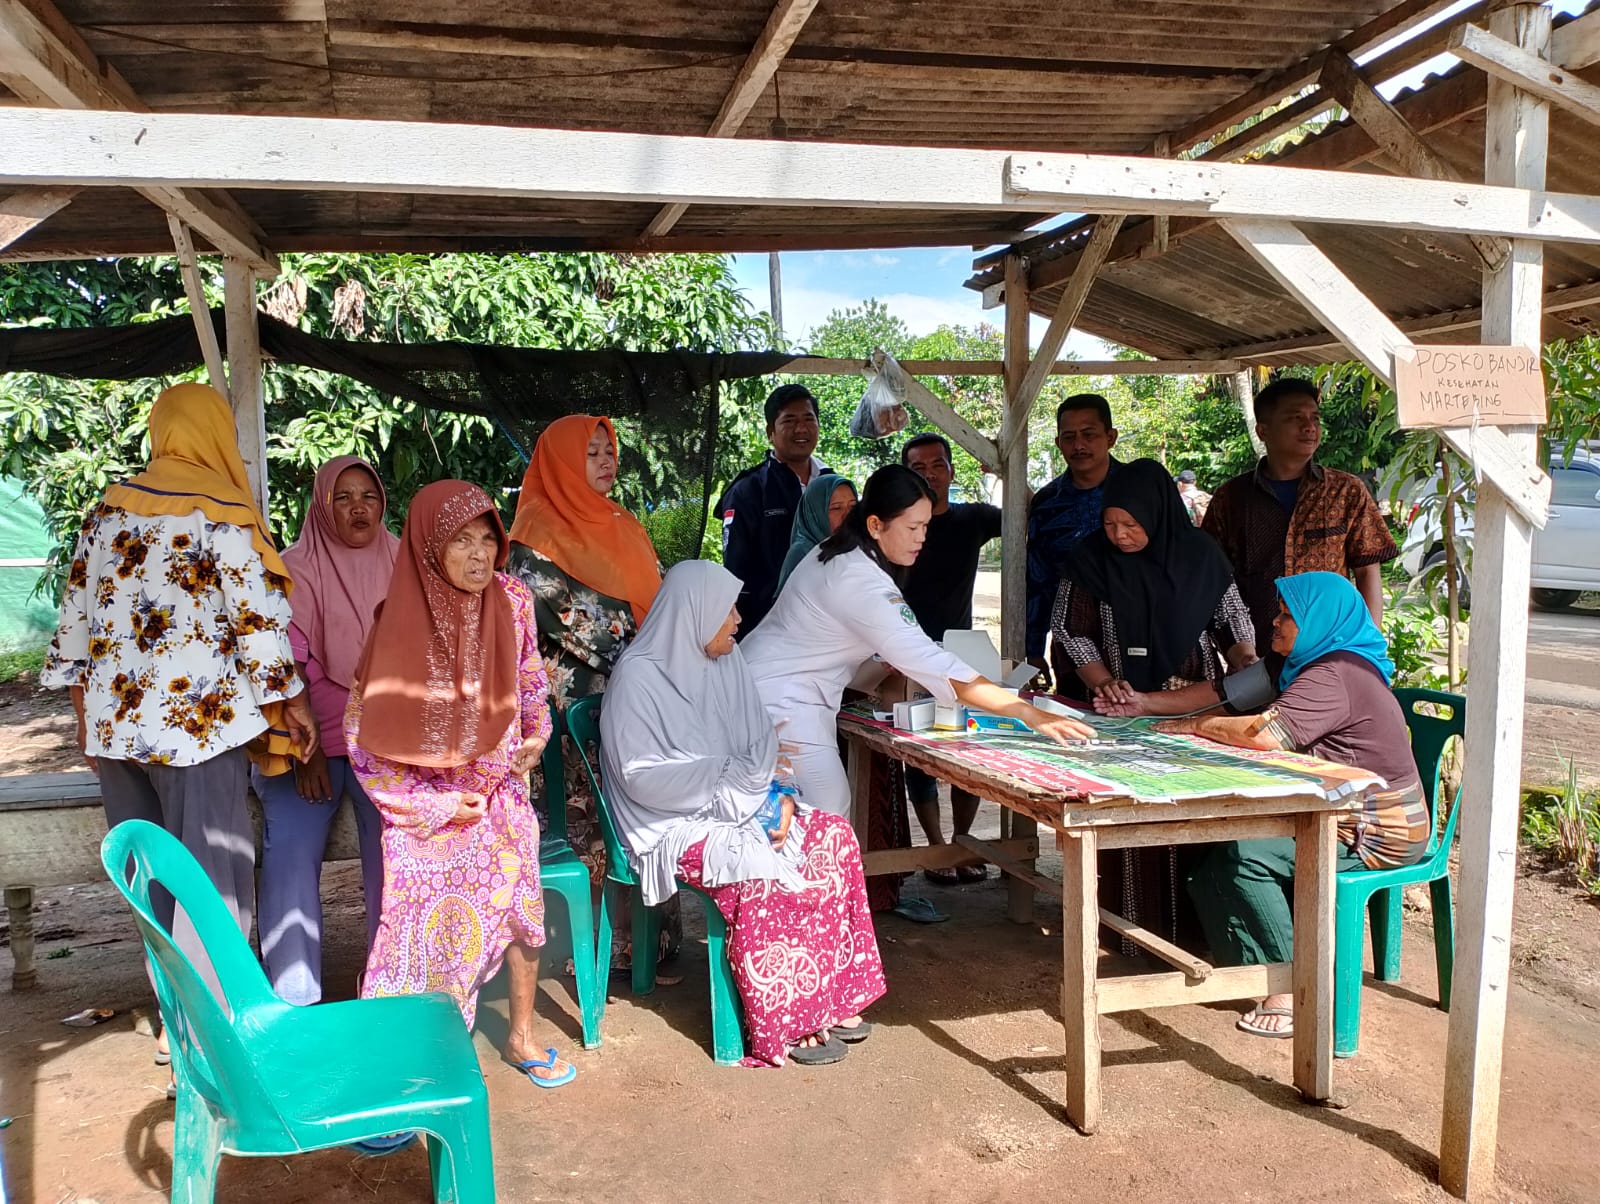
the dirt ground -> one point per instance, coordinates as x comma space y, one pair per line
956, 1095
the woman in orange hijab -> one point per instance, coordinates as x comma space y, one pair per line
593, 573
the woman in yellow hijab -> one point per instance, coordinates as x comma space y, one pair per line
174, 640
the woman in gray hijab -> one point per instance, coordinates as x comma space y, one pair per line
697, 784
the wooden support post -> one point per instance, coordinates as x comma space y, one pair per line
19, 911
1394, 134
244, 373
1014, 520
858, 772
1080, 961
1067, 310
1315, 846
1515, 145
205, 330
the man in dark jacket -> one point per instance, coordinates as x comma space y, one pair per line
758, 508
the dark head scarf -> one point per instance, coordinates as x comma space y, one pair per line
1164, 595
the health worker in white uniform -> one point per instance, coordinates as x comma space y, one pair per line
841, 607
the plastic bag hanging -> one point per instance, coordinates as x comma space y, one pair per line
882, 410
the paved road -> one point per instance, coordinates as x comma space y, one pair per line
1563, 649
1564, 658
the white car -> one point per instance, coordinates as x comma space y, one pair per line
1566, 554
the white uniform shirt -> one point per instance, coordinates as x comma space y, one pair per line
828, 620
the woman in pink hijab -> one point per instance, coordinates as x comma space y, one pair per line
341, 566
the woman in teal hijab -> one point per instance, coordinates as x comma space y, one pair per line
823, 506
1329, 615
1335, 705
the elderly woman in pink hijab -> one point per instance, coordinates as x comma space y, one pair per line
341, 566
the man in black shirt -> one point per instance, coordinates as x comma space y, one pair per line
757, 510
938, 589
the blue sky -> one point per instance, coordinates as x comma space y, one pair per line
923, 286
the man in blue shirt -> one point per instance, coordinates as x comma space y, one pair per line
1062, 515
757, 509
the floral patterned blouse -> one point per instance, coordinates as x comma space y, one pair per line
582, 632
177, 633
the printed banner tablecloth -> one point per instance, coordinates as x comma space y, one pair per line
1133, 761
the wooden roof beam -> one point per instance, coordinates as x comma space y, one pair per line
22, 211
782, 28
1527, 71
1394, 62
1317, 283
1061, 322
46, 63
52, 147
1393, 133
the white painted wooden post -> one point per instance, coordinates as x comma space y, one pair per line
244, 373
1515, 146
1014, 521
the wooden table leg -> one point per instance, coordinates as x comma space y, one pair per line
1019, 895
19, 910
1316, 840
1080, 955
858, 769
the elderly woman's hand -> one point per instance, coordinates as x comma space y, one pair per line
1127, 704
528, 754
471, 808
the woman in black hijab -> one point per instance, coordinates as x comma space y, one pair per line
1147, 611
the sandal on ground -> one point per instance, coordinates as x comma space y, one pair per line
830, 1051
1247, 1024
941, 875
548, 1063
972, 873
379, 1147
918, 911
163, 1057
852, 1036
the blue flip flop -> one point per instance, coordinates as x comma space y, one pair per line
549, 1062
379, 1147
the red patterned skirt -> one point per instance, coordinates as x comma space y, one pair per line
802, 960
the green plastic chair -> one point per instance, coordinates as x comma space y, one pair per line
242, 1067
727, 1038
564, 873
1377, 893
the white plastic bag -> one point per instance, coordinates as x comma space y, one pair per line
882, 410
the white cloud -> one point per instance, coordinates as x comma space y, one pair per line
885, 261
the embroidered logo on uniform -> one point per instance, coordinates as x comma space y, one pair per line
727, 528
905, 613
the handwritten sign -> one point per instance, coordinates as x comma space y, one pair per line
1462, 386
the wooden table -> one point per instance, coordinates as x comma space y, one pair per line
1084, 825
51, 826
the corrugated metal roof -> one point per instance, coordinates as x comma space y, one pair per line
1207, 297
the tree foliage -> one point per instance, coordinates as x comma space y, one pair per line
69, 439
